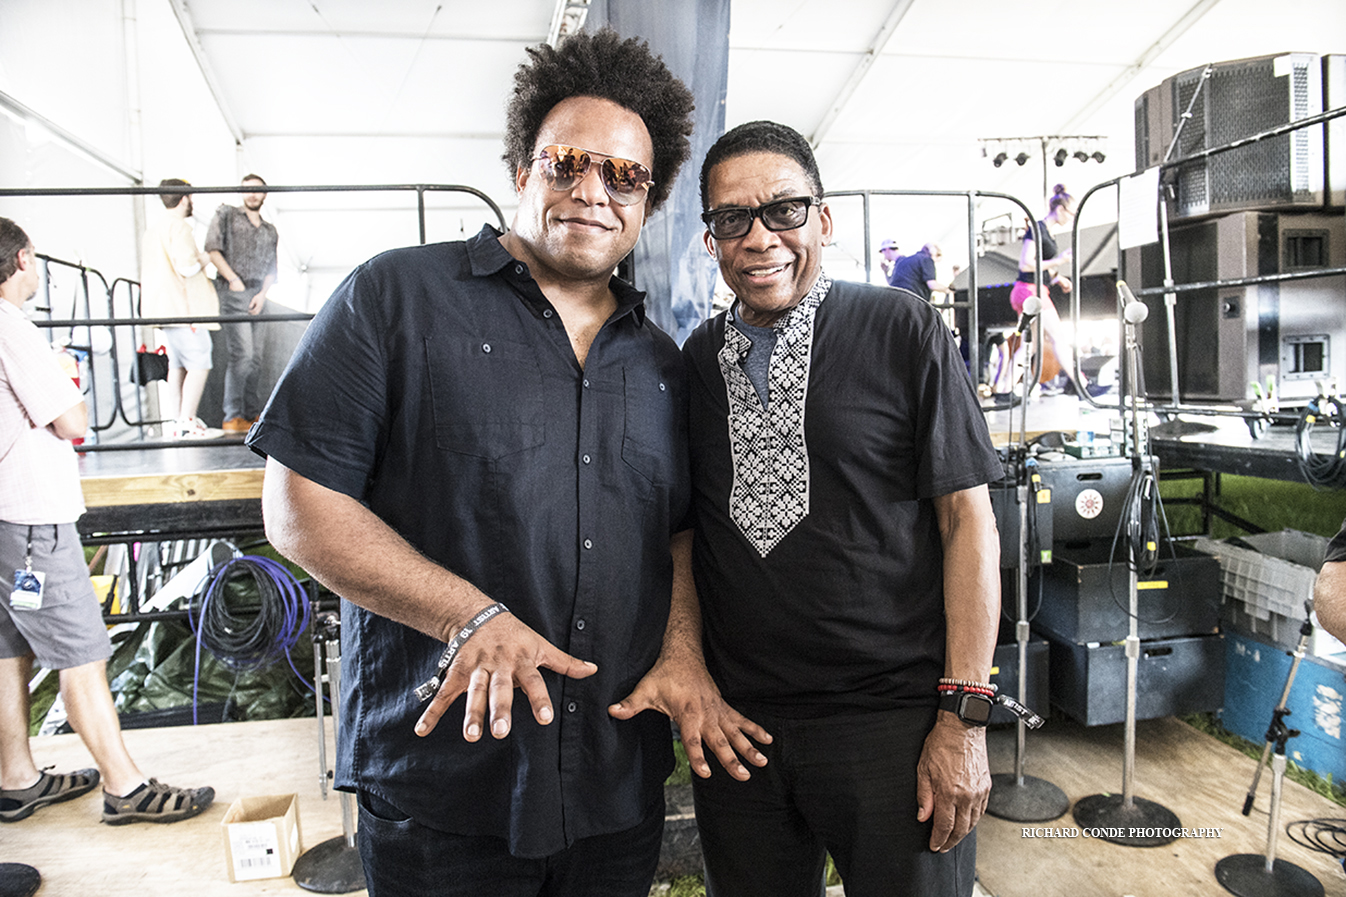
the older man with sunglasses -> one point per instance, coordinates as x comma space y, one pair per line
481, 446
845, 554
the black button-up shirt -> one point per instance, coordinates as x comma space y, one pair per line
439, 387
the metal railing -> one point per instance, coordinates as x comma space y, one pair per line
112, 321
972, 339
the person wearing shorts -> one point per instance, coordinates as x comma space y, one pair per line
173, 284
49, 613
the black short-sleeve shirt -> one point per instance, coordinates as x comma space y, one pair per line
438, 386
846, 612
914, 272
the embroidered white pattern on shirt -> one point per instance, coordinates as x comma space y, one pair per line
770, 492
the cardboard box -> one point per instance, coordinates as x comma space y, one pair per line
262, 837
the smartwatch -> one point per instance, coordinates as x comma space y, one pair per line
972, 708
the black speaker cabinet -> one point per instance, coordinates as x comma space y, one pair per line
1241, 98
1232, 337
1334, 97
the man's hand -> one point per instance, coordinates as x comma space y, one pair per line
255, 304
502, 655
1064, 283
953, 780
683, 690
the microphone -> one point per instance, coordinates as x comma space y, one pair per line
1135, 311
1032, 306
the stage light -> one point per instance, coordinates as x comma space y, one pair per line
1099, 157
999, 159
1060, 157
1081, 156
1021, 158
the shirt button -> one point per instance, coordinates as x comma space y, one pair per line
586, 382
486, 347
586, 459
518, 269
572, 707
579, 624
546, 313
588, 543
662, 387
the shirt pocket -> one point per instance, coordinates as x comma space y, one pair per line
486, 395
653, 438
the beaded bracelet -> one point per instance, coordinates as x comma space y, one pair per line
427, 690
968, 683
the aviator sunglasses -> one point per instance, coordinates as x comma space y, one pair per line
783, 214
626, 181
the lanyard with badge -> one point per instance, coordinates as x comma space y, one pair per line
27, 594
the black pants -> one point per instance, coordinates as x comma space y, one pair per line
844, 785
404, 859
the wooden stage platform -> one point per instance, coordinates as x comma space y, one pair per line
180, 490
1195, 776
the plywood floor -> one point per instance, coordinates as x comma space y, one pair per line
1198, 778
78, 855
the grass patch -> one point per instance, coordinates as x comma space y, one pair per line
1271, 504
687, 886
1206, 722
682, 771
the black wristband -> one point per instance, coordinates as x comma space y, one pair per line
427, 690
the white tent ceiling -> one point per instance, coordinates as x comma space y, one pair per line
894, 93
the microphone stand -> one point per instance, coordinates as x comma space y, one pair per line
332, 867
1126, 819
1251, 874
1019, 797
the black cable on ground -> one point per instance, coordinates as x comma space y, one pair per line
1320, 835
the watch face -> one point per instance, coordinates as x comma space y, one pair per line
976, 709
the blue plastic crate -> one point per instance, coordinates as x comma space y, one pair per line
1255, 674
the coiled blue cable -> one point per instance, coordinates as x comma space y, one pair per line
254, 639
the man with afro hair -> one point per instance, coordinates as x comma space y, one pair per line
483, 444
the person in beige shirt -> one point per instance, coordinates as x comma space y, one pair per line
173, 284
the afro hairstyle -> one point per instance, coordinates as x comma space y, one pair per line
605, 66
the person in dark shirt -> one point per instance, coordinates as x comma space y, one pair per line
916, 273
845, 553
483, 443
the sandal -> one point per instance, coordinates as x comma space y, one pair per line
156, 802
20, 804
